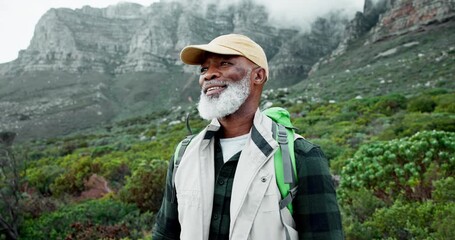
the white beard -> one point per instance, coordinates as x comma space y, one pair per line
228, 102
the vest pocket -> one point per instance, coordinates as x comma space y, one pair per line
267, 223
270, 203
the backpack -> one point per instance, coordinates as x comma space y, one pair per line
284, 158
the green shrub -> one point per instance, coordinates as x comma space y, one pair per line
139, 224
331, 149
390, 104
444, 220
89, 231
445, 103
444, 190
422, 103
416, 220
35, 205
415, 122
354, 230
405, 174
70, 146
100, 151
362, 204
402, 221
145, 187
43, 176
57, 225
404, 167
72, 180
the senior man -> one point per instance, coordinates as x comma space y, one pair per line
225, 186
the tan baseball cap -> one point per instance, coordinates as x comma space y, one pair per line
230, 44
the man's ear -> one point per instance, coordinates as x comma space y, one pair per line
259, 76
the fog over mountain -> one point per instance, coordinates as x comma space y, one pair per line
290, 13
24, 15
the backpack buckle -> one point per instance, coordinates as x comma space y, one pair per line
288, 199
282, 135
293, 192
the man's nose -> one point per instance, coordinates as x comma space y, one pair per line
211, 73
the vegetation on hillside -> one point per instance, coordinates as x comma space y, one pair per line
395, 156
384, 114
405, 64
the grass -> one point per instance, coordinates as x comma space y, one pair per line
359, 72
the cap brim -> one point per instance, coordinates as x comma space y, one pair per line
194, 54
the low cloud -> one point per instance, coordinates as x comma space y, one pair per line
293, 13
300, 13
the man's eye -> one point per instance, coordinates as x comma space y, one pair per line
225, 63
203, 70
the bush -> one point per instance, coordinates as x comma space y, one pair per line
145, 187
417, 220
390, 104
427, 220
422, 103
58, 224
401, 189
88, 231
36, 205
100, 151
72, 180
362, 204
445, 103
444, 220
401, 168
415, 122
43, 176
402, 221
331, 149
444, 190
334, 152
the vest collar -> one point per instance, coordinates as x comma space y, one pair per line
260, 132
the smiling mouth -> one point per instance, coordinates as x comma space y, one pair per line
215, 90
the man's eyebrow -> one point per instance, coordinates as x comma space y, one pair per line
228, 57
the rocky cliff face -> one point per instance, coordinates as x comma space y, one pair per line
83, 40
388, 18
131, 38
382, 19
296, 56
409, 15
88, 66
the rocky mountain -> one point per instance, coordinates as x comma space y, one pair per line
399, 46
90, 66
406, 16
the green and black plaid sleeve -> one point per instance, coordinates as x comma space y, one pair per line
316, 210
167, 225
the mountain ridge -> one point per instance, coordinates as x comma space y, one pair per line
121, 61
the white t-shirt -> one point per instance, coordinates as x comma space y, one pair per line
231, 146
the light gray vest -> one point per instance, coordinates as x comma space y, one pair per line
254, 211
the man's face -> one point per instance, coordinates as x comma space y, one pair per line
225, 83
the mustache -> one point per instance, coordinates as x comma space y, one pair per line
211, 83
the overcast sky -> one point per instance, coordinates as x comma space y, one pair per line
19, 17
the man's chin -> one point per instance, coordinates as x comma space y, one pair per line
209, 111
213, 97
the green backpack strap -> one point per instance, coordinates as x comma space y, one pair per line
284, 158
285, 169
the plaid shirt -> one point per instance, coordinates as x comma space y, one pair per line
316, 211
